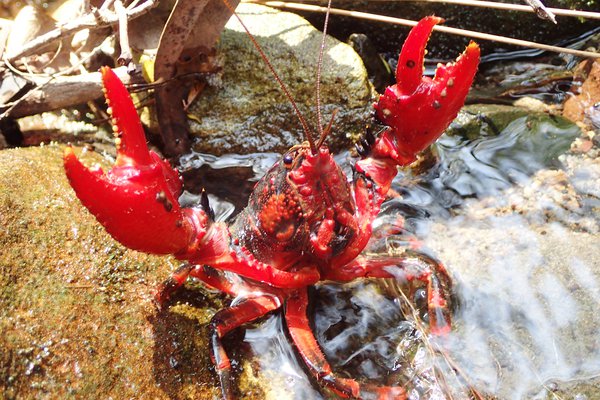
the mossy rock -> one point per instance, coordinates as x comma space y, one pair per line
77, 318
250, 113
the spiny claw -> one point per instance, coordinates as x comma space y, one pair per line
417, 108
136, 200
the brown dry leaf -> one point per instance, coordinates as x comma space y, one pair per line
145, 32
191, 31
31, 22
578, 107
9, 9
193, 93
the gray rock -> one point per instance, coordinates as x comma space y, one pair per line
249, 112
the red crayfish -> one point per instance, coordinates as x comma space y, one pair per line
305, 222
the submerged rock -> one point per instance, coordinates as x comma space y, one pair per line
250, 113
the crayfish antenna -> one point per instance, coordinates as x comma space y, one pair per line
307, 131
325, 132
318, 84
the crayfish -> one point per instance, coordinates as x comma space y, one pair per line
305, 221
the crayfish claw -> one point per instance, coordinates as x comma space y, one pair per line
137, 199
134, 205
127, 128
417, 108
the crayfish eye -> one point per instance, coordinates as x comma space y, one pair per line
288, 159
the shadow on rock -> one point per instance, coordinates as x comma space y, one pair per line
181, 359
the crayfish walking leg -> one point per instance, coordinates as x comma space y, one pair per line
227, 319
412, 267
314, 359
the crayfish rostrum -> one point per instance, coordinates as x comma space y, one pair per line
305, 222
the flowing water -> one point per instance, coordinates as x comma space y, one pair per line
514, 219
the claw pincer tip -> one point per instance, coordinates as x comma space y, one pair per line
128, 130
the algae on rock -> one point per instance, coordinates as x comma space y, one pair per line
77, 318
250, 113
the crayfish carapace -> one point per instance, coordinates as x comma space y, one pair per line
305, 221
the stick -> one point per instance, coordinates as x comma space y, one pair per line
541, 11
506, 6
59, 92
126, 55
445, 29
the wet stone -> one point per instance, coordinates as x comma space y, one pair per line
77, 319
248, 112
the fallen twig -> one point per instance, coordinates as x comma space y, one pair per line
512, 7
126, 55
540, 10
59, 92
445, 29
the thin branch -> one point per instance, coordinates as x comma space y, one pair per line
56, 91
133, 4
444, 29
59, 92
126, 54
510, 7
541, 10
102, 18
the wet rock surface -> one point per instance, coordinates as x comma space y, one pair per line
250, 113
77, 318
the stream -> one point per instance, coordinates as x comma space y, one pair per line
512, 213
